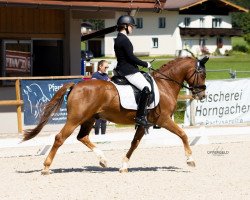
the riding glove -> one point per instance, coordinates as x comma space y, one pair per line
149, 65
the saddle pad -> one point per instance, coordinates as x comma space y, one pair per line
127, 97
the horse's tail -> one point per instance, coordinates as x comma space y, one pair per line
50, 108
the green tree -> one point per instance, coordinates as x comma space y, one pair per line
97, 23
241, 20
243, 3
247, 38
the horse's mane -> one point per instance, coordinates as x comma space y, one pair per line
170, 64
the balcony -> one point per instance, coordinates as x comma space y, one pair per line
210, 32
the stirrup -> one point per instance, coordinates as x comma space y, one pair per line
142, 122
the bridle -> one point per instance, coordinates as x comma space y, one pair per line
195, 88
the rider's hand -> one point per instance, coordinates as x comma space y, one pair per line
149, 65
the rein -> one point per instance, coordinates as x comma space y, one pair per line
170, 79
193, 89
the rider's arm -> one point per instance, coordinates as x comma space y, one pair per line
128, 49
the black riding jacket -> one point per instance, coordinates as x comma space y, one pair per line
126, 60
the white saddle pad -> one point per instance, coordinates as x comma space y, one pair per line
127, 97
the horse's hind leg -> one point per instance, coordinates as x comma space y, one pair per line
174, 128
134, 144
83, 136
59, 140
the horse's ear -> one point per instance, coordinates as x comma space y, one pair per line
204, 60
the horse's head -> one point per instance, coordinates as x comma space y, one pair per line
196, 79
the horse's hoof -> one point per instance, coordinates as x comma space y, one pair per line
103, 163
191, 163
123, 170
45, 172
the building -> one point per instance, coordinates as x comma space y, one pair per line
43, 38
46, 36
203, 26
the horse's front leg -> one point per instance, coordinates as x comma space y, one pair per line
83, 136
174, 128
134, 144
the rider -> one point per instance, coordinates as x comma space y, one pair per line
127, 66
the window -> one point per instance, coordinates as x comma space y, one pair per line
155, 42
162, 22
202, 42
187, 44
219, 42
204, 50
202, 22
139, 22
216, 23
187, 21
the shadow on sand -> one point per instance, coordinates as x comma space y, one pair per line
97, 169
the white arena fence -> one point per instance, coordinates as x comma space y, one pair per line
231, 73
19, 103
196, 113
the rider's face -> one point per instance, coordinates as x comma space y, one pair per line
130, 28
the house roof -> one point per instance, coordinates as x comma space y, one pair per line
178, 5
88, 4
182, 5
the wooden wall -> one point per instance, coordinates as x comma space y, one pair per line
17, 22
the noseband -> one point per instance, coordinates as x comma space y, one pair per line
195, 88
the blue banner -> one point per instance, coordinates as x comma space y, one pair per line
36, 93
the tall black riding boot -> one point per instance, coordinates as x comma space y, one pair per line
141, 115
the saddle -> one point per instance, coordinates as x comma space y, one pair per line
121, 80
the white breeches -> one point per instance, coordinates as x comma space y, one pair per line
138, 80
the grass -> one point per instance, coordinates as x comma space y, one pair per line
239, 41
237, 62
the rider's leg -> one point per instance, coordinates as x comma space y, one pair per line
141, 115
139, 81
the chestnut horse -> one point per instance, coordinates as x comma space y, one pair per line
92, 99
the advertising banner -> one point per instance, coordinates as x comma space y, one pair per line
17, 63
227, 102
36, 93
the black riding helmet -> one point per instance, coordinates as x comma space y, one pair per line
126, 20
